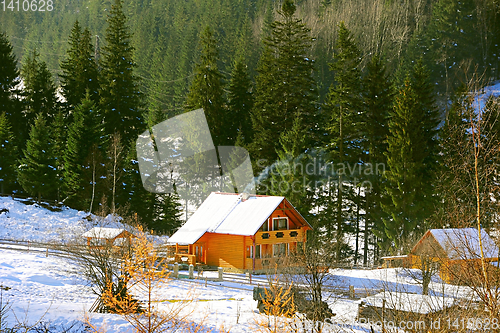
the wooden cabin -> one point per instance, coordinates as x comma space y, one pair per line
107, 237
395, 308
455, 251
240, 232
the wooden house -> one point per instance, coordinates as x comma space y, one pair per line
455, 251
104, 237
240, 232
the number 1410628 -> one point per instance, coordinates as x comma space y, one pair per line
27, 5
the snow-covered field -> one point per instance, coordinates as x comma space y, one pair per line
50, 288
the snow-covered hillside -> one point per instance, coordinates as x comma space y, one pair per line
51, 288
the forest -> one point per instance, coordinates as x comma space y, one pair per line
376, 97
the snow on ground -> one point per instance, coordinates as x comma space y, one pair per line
51, 288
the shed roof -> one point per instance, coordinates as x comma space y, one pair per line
407, 302
103, 233
464, 243
228, 213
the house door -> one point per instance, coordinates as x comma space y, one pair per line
198, 251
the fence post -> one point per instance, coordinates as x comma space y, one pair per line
47, 252
176, 270
221, 277
249, 277
351, 292
191, 271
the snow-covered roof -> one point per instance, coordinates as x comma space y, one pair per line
416, 303
103, 233
227, 213
464, 243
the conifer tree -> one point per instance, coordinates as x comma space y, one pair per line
37, 173
120, 96
207, 92
39, 89
286, 178
83, 134
8, 156
79, 69
168, 211
378, 98
345, 125
9, 79
240, 103
285, 88
411, 158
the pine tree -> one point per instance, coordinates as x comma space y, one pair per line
378, 101
83, 134
240, 103
39, 90
9, 79
7, 156
345, 126
37, 173
168, 211
207, 92
285, 87
287, 179
120, 96
411, 159
79, 69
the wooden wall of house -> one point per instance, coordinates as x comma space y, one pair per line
227, 251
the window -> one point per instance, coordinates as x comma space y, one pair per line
257, 251
265, 226
249, 251
280, 223
280, 250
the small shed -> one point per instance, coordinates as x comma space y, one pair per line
394, 308
395, 261
456, 251
101, 237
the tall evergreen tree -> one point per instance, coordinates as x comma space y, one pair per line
8, 156
285, 88
411, 159
9, 79
345, 126
120, 96
39, 90
378, 98
37, 173
83, 134
207, 92
240, 103
79, 69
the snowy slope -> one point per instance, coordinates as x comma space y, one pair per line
35, 223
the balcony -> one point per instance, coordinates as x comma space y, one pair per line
279, 236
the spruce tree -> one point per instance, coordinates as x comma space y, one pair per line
37, 173
378, 98
240, 103
120, 96
345, 127
207, 92
39, 90
411, 159
9, 79
8, 156
79, 69
285, 88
